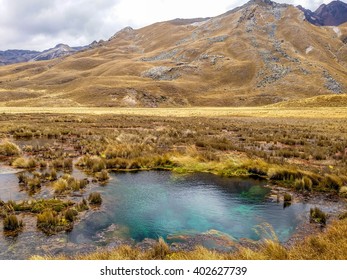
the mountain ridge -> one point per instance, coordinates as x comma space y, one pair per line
332, 14
18, 56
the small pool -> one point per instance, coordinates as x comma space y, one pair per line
161, 204
147, 205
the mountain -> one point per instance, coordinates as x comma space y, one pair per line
332, 14
17, 56
59, 50
260, 53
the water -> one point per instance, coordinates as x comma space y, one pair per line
9, 189
160, 204
154, 204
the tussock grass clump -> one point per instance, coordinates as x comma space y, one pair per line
67, 184
331, 182
303, 184
343, 191
67, 164
92, 164
22, 178
257, 167
9, 149
82, 206
11, 223
102, 176
23, 133
318, 216
42, 164
24, 163
160, 250
58, 164
60, 186
50, 222
34, 184
287, 197
127, 151
28, 183
50, 175
284, 174
71, 214
95, 198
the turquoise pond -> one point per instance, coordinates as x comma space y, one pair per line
161, 204
153, 204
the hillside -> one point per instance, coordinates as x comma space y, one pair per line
260, 53
315, 102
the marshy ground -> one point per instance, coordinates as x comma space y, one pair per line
304, 151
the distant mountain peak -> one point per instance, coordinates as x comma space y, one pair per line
332, 14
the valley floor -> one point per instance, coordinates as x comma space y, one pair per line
256, 112
303, 150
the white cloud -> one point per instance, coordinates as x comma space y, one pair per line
41, 24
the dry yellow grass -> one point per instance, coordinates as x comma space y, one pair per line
257, 112
330, 245
339, 100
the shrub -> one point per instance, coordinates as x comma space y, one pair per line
318, 216
95, 198
11, 223
9, 149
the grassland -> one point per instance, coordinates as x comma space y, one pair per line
303, 150
274, 111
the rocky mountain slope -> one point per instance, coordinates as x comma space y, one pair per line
333, 14
17, 56
260, 53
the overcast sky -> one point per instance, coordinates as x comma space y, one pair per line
41, 24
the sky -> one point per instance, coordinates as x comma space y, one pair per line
42, 24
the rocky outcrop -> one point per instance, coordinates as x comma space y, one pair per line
59, 50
